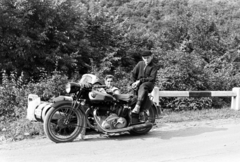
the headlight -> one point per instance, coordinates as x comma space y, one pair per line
68, 88
72, 87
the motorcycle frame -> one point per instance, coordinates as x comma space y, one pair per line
76, 104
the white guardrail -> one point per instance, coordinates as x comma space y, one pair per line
235, 94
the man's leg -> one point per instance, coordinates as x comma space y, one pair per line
143, 90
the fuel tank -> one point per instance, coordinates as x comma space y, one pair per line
96, 96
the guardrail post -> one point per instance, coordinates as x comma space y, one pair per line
235, 103
155, 94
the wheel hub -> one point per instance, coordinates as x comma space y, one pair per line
62, 123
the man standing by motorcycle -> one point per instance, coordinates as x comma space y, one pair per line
144, 77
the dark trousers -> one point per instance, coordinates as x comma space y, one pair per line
143, 91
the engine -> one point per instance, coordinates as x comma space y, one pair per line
113, 121
113, 116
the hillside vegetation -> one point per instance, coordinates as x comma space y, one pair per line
46, 43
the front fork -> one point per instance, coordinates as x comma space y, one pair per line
74, 106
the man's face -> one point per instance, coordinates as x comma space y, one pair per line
147, 59
109, 82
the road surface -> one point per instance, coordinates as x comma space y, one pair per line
208, 141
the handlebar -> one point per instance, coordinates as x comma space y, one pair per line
99, 86
90, 86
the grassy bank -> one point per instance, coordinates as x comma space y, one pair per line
198, 115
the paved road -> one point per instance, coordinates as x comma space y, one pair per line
185, 142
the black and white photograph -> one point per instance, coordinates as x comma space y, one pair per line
119, 80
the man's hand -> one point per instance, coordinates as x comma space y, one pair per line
86, 85
135, 84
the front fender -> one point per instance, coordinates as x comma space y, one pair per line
62, 100
65, 100
60, 103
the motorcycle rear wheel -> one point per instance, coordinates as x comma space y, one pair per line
58, 128
150, 118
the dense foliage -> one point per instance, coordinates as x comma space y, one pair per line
194, 43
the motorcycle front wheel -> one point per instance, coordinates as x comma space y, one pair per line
63, 124
146, 116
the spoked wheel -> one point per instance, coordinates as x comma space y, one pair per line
63, 124
148, 116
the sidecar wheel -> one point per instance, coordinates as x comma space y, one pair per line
58, 129
150, 117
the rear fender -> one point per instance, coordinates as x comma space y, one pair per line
156, 110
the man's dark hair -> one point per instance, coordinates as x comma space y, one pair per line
109, 76
146, 53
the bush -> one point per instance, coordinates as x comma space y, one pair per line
49, 87
13, 97
222, 76
182, 71
188, 72
13, 103
14, 93
184, 103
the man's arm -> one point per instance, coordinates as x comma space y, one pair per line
135, 73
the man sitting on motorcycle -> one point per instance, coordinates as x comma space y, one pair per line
109, 83
144, 77
110, 89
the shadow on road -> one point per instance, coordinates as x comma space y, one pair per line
184, 132
156, 133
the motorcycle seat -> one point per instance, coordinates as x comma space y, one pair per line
123, 97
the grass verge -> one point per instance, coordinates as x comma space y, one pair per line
198, 115
19, 130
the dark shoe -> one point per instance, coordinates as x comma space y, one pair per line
134, 118
142, 117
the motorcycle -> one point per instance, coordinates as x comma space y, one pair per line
88, 108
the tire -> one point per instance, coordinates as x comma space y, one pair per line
56, 128
150, 117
